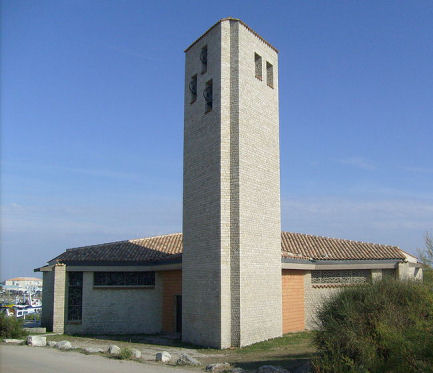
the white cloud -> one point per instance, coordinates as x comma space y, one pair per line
400, 222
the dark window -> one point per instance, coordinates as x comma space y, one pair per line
75, 295
355, 276
269, 75
388, 273
203, 59
207, 94
124, 279
193, 88
258, 64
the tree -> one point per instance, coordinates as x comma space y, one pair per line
426, 257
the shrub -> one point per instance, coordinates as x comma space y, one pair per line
10, 327
428, 276
383, 327
125, 354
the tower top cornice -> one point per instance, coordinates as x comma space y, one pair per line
237, 20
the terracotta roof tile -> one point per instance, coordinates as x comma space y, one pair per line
169, 247
143, 250
295, 245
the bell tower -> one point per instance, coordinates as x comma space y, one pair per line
231, 265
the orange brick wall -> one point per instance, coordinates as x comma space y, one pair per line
172, 286
293, 300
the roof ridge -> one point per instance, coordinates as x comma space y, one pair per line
342, 239
148, 238
120, 241
96, 245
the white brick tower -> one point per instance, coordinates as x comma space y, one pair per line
231, 264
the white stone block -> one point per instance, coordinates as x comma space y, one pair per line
163, 356
64, 345
36, 341
113, 350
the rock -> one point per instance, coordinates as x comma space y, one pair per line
36, 341
14, 341
51, 343
135, 354
271, 369
185, 359
163, 356
64, 345
113, 350
238, 370
218, 367
93, 350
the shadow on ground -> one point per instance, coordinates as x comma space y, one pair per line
172, 340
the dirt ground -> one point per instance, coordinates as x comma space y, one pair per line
292, 351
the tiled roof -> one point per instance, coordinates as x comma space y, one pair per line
144, 250
298, 245
169, 247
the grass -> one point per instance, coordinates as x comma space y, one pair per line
289, 351
283, 343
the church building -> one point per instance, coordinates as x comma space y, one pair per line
232, 277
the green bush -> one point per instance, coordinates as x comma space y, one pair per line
10, 327
428, 276
383, 327
125, 354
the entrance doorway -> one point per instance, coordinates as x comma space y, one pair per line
178, 313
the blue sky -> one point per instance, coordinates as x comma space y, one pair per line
92, 119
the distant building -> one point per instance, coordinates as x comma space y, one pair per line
23, 284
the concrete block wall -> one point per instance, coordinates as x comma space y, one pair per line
231, 212
59, 298
408, 271
206, 197
314, 298
258, 194
119, 310
376, 274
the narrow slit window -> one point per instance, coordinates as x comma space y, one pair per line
75, 295
258, 64
203, 59
269, 74
207, 94
193, 89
